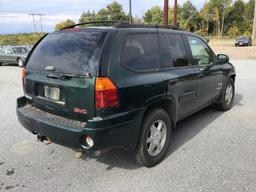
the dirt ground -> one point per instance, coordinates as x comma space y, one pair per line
228, 47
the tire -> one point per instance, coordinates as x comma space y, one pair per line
148, 153
227, 96
20, 62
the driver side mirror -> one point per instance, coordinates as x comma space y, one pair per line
222, 58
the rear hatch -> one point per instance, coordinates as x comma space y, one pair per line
61, 72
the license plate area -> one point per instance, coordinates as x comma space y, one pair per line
49, 94
52, 93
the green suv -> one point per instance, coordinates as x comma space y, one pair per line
124, 86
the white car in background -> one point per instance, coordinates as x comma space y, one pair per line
13, 55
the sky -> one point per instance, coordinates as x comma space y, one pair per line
15, 18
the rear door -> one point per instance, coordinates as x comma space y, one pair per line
61, 73
180, 74
209, 74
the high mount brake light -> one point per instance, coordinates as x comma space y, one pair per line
71, 29
105, 93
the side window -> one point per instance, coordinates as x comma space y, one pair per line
8, 51
172, 51
201, 53
140, 52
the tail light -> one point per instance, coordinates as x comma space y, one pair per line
105, 93
23, 73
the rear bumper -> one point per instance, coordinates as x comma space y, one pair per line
120, 130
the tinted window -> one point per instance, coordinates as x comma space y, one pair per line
140, 52
173, 52
244, 38
201, 53
69, 52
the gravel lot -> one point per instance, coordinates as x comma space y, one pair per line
212, 151
228, 47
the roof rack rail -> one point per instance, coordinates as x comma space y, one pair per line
113, 22
120, 24
127, 25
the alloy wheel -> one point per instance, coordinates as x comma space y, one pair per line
156, 137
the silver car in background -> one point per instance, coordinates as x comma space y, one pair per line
13, 55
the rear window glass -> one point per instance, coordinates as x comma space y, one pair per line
140, 52
69, 52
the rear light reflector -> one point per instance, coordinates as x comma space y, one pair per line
105, 93
23, 73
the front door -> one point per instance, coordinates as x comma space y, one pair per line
209, 74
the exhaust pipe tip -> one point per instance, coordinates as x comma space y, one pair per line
88, 142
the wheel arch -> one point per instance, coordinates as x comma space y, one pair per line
168, 104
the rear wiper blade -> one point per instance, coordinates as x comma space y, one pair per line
68, 76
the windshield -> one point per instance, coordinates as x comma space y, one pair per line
69, 52
243, 38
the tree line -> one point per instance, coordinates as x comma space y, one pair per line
20, 39
215, 18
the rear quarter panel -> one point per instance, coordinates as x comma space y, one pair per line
137, 90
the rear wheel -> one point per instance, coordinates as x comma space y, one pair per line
227, 96
154, 138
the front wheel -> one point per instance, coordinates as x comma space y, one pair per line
154, 138
227, 96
